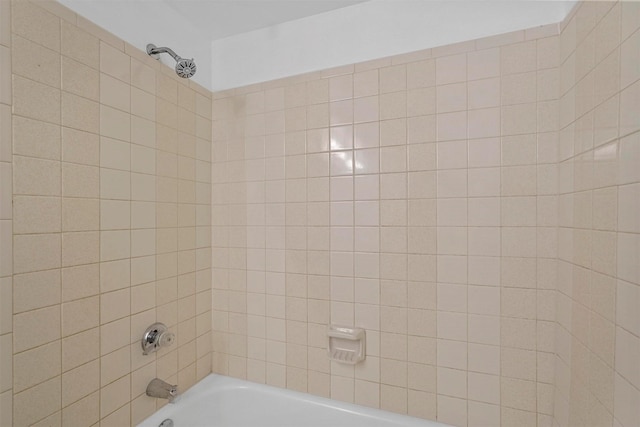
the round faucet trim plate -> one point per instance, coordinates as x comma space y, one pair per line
155, 337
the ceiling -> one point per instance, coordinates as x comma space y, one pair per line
213, 19
223, 18
190, 27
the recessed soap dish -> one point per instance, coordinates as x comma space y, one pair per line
346, 345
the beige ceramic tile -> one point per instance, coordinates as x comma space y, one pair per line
36, 177
57, 9
143, 132
143, 76
29, 334
5, 82
115, 124
5, 16
115, 395
35, 62
393, 79
36, 24
80, 181
80, 113
80, 248
80, 147
141, 408
114, 335
114, 245
78, 350
79, 282
36, 101
451, 69
143, 104
5, 134
518, 57
33, 252
36, 290
421, 74
115, 184
115, 63
115, 93
119, 417
7, 363
35, 366
451, 410
36, 139
6, 320
84, 410
80, 214
79, 315
115, 365
48, 396
80, 382
115, 154
80, 45
114, 305
6, 400
36, 214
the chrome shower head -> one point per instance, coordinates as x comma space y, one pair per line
185, 68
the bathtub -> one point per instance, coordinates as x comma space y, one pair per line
223, 401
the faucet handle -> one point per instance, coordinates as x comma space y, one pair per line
155, 337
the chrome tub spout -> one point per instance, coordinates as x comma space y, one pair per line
163, 390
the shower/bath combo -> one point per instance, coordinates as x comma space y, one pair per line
185, 68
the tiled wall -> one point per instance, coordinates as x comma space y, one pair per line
598, 335
6, 302
111, 231
430, 198
414, 196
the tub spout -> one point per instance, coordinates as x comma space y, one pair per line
163, 390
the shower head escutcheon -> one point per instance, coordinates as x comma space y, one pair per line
185, 68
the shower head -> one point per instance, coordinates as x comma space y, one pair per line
185, 68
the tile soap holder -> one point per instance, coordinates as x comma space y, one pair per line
346, 345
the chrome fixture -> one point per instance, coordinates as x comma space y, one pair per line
185, 68
166, 423
155, 337
162, 390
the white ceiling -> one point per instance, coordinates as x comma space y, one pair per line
370, 30
223, 18
190, 26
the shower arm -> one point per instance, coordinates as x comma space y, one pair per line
154, 51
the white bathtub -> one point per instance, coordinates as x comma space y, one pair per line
222, 401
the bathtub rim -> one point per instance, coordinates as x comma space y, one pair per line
219, 382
